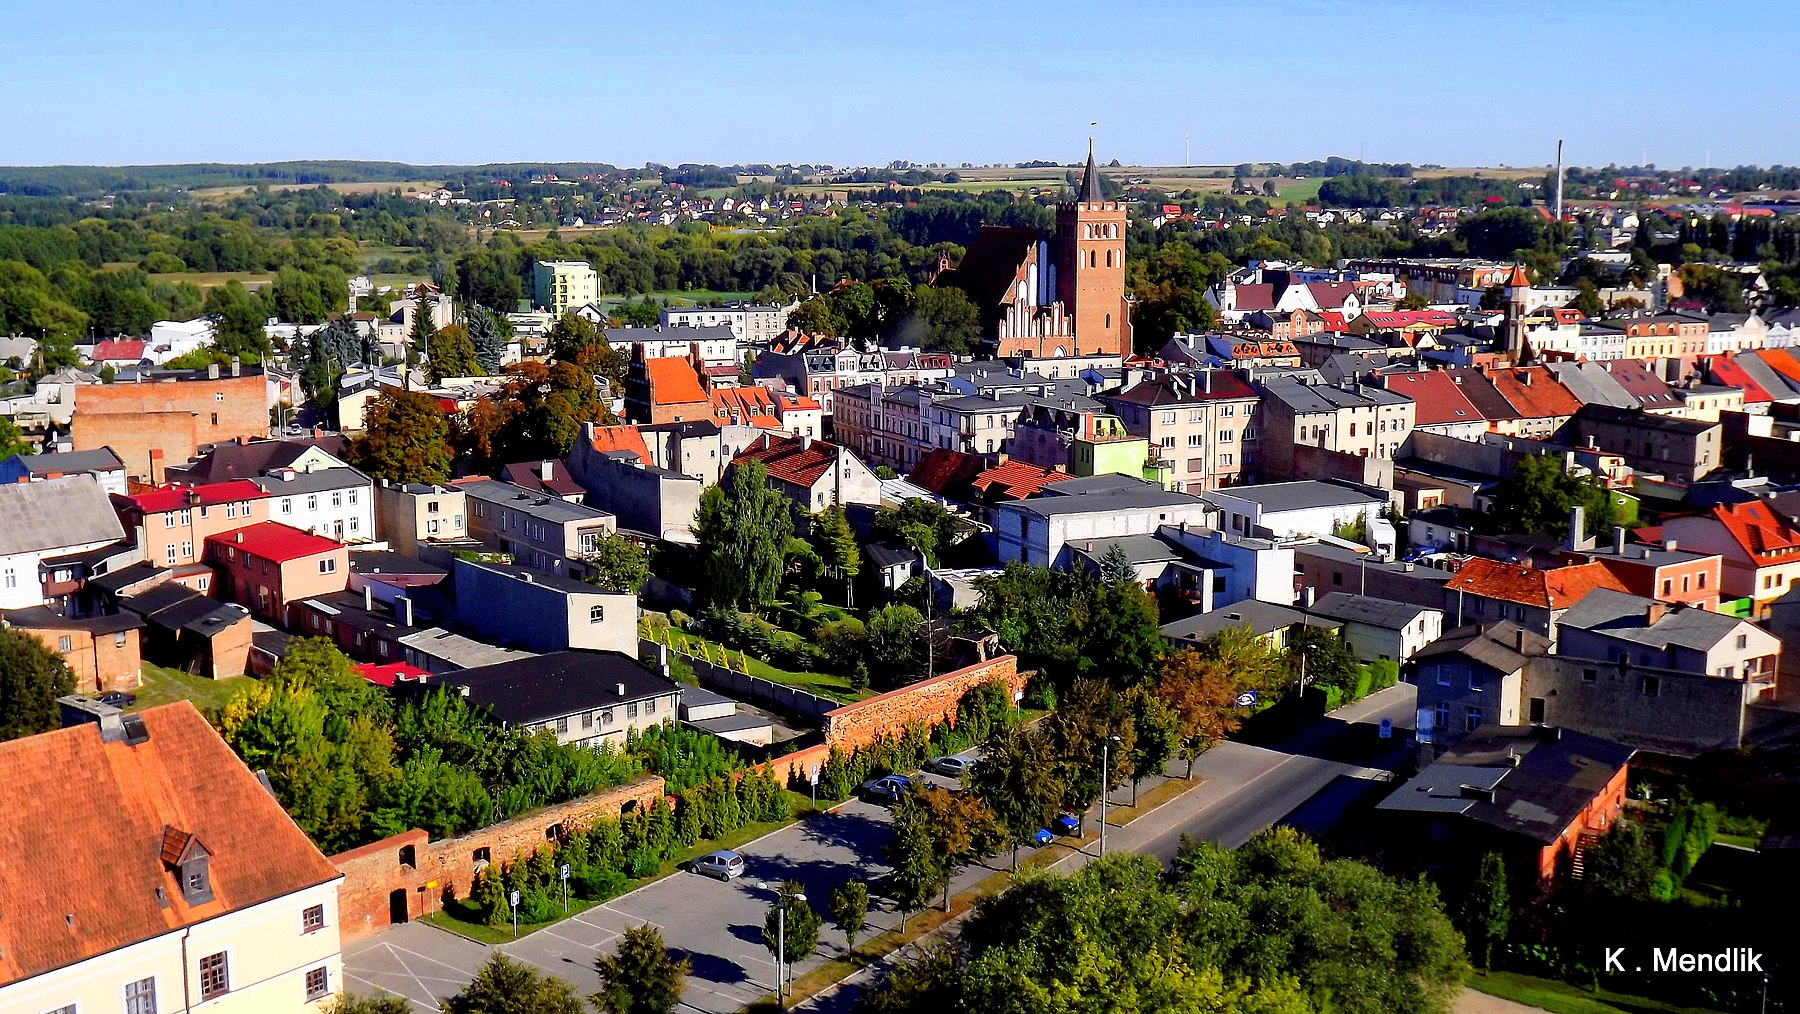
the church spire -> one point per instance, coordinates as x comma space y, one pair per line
1090, 179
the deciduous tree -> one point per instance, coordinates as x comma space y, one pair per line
620, 564
850, 910
797, 931
406, 438
1016, 780
453, 355
742, 526
32, 677
505, 986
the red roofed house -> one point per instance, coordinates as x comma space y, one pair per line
174, 522
1485, 590
812, 473
197, 892
1409, 325
1441, 406
119, 352
266, 566
1013, 480
664, 390
608, 439
1203, 422
1761, 550
745, 406
389, 673
1724, 371
1541, 404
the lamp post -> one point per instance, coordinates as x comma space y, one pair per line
1305, 653
781, 901
1105, 776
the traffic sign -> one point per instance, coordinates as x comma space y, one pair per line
564, 872
813, 775
1247, 699
1387, 728
515, 899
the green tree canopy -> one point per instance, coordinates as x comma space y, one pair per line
32, 677
453, 355
504, 985
620, 564
792, 924
850, 909
405, 438
742, 526
641, 976
1536, 496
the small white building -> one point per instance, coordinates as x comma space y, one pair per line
39, 520
171, 339
1286, 510
336, 502
1381, 629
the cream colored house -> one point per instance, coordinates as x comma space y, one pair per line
148, 871
562, 286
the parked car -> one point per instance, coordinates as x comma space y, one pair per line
950, 765
1042, 837
886, 789
117, 698
1067, 823
723, 864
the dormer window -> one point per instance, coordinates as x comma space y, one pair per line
188, 860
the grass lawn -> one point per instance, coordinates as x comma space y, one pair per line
1298, 191
457, 918
824, 684
680, 297
162, 685
1562, 998
214, 279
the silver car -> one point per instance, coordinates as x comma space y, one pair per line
723, 864
950, 765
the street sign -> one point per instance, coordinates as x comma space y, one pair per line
1247, 699
1387, 730
515, 899
564, 872
813, 775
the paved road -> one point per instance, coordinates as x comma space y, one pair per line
719, 926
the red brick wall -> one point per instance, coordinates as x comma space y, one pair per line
444, 869
173, 417
927, 702
98, 664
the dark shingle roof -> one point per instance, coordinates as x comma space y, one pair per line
546, 687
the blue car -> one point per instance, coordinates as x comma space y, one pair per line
1042, 837
1067, 824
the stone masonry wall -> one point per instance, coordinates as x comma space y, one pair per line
367, 901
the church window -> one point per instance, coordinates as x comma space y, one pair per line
1093, 259
1108, 319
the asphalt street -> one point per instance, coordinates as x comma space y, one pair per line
1305, 779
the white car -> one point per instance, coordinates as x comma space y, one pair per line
950, 765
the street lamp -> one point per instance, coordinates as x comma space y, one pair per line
1305, 653
1105, 776
781, 901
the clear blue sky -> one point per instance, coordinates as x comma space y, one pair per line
1462, 82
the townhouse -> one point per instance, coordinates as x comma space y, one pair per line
1203, 423
1351, 418
48, 521
172, 524
267, 567
813, 474
1681, 450
541, 532
1760, 550
338, 502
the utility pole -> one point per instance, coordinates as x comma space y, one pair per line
1105, 777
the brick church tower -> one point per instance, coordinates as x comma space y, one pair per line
1090, 266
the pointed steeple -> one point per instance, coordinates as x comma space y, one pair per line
1090, 180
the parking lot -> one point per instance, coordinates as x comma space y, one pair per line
716, 926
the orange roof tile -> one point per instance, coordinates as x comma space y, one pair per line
85, 855
1015, 480
1760, 531
750, 405
1545, 589
673, 381
792, 459
621, 438
1534, 392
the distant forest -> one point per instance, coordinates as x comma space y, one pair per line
92, 181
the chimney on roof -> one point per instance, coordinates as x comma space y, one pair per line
1519, 640
237, 368
212, 371
549, 470
368, 598
620, 687
405, 604
526, 577
1670, 545
1619, 541
1654, 612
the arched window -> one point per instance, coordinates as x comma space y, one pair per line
1093, 258
1109, 258
1108, 320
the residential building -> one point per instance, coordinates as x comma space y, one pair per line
1668, 572
1483, 590
562, 286
1647, 390
359, 624
541, 532
1204, 423
1298, 509
338, 502
103, 466
1240, 568
249, 459
591, 698
411, 517
1382, 629
664, 390
191, 631
752, 323
1352, 419
1325, 568
1619, 627
44, 521
268, 566
1439, 405
1681, 450
167, 417
205, 895
711, 346
172, 524
1273, 623
615, 467
171, 339
1538, 797
437, 650
102, 651
543, 612
1760, 550
1039, 531
813, 474
548, 477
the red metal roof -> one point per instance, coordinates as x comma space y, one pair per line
127, 350
1726, 371
389, 674
673, 381
174, 498
621, 438
276, 542
1015, 480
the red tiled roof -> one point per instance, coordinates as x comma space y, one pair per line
128, 350
1188, 388
1545, 589
673, 381
1534, 392
1256, 297
69, 904
389, 674
1439, 399
1015, 480
1333, 320
944, 472
174, 498
1726, 371
276, 542
1330, 294
621, 438
1409, 318
797, 403
797, 460
749, 405
1760, 531
1641, 384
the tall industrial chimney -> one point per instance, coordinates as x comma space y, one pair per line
1556, 208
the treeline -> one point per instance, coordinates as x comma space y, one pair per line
1358, 191
94, 181
1335, 166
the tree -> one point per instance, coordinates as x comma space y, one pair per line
1587, 299
843, 644
944, 320
793, 924
641, 977
850, 910
1201, 693
962, 830
1622, 861
1329, 662
1155, 732
485, 336
1116, 566
895, 642
620, 564
32, 677
836, 542
926, 526
571, 335
911, 850
813, 317
742, 527
12, 441
453, 355
424, 328
375, 1003
1091, 722
1016, 780
1536, 495
1493, 298
1123, 635
505, 986
1486, 912
1414, 301
406, 438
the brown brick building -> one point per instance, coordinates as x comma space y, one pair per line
165, 421
102, 651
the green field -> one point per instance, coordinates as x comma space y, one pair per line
1562, 998
162, 685
214, 279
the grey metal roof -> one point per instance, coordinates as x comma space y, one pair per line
1591, 384
1627, 617
1368, 610
1338, 554
1300, 494
543, 687
459, 650
102, 460
1495, 645
318, 481
1530, 781
1104, 500
55, 514
1263, 617
539, 505
1139, 549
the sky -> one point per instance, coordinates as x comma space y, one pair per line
852, 83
